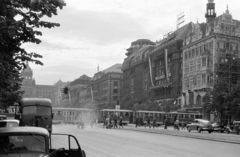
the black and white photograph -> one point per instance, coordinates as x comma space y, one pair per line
119, 78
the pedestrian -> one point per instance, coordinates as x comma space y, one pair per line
154, 122
115, 122
91, 122
104, 121
137, 122
120, 122
141, 121
176, 124
165, 123
148, 123
183, 125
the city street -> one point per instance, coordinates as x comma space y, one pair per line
101, 142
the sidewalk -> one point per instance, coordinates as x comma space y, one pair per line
214, 136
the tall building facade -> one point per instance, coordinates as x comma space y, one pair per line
104, 90
75, 89
207, 49
166, 70
136, 73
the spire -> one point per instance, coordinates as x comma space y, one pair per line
227, 11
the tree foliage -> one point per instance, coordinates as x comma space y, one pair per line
13, 33
224, 99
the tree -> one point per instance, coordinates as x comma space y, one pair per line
13, 33
224, 98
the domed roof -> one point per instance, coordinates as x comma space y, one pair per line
28, 70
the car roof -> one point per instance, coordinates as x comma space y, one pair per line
24, 130
203, 120
236, 121
10, 120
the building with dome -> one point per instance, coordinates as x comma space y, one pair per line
211, 50
28, 83
31, 89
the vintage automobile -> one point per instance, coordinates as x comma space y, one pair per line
9, 123
35, 142
218, 127
235, 128
200, 125
3, 117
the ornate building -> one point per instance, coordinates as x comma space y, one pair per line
136, 73
104, 90
206, 47
28, 83
166, 70
32, 90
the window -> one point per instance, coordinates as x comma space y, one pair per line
191, 82
191, 66
204, 62
190, 54
198, 81
199, 64
203, 78
115, 91
186, 56
197, 51
115, 83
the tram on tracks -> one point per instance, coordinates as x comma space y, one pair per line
127, 115
72, 115
171, 116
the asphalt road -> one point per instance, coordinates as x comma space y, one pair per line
100, 142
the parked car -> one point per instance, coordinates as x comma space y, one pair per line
36, 142
200, 125
235, 128
9, 123
3, 117
218, 127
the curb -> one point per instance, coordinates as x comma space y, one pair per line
171, 133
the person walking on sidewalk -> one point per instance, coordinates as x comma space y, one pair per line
148, 123
115, 122
154, 122
137, 122
120, 122
165, 123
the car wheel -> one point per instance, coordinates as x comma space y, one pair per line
189, 130
221, 131
199, 130
209, 131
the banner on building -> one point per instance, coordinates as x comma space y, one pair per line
166, 64
150, 69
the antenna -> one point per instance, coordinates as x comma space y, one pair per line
180, 20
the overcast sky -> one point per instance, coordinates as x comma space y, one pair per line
98, 32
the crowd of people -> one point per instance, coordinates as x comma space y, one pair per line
113, 122
117, 122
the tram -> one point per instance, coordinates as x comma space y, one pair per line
127, 115
72, 115
171, 116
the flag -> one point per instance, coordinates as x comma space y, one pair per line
166, 64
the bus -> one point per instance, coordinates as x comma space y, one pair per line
72, 115
35, 112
